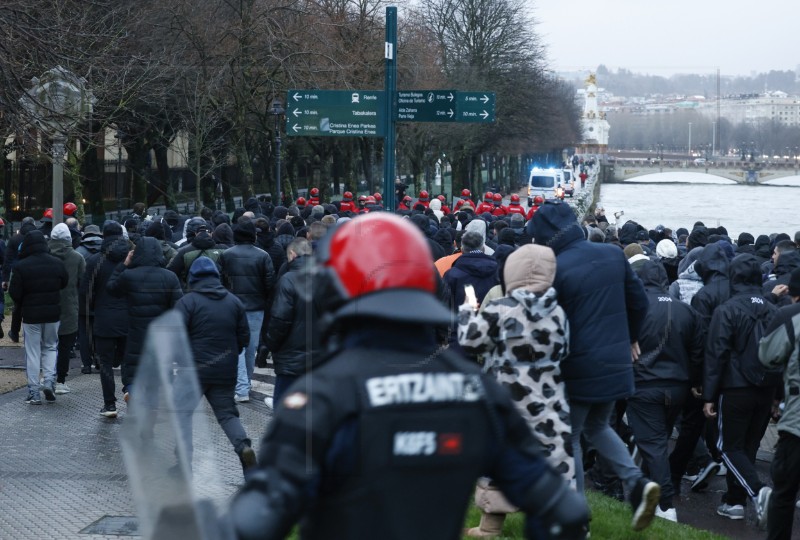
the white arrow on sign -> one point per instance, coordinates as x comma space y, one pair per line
485, 99
485, 115
297, 112
296, 128
450, 96
297, 97
450, 113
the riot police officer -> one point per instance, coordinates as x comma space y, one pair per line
386, 437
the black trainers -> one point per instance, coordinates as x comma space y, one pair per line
109, 411
248, 459
33, 398
644, 499
13, 336
49, 393
86, 370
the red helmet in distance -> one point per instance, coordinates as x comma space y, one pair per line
515, 199
487, 197
423, 195
70, 209
466, 193
348, 196
497, 197
314, 192
301, 201
378, 197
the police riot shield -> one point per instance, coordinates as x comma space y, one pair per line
171, 463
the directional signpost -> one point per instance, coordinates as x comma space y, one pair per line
475, 106
374, 113
426, 106
336, 113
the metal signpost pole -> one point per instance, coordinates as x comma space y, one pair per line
390, 88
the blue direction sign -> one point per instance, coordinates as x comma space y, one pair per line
426, 106
475, 106
336, 113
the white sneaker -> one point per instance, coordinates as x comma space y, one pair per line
62, 388
268, 402
670, 514
241, 399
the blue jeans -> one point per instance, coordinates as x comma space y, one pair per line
591, 420
41, 349
247, 359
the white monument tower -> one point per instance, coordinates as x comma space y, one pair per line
595, 125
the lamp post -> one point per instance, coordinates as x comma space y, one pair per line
119, 135
276, 110
55, 103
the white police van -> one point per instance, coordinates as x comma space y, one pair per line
545, 182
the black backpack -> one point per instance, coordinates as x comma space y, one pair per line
753, 370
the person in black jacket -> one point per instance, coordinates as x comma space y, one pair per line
150, 290
671, 360
36, 283
266, 241
736, 389
109, 319
10, 259
249, 274
295, 347
216, 324
786, 258
198, 242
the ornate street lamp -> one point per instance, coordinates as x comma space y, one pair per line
57, 101
276, 110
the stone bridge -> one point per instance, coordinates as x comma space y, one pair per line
743, 172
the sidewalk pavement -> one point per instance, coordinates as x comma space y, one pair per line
62, 474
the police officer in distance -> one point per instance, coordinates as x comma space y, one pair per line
386, 437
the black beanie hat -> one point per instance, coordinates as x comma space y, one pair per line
112, 228
245, 233
155, 230
745, 239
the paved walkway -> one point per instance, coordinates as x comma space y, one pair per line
61, 465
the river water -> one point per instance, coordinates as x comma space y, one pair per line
680, 199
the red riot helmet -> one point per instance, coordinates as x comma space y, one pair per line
70, 209
407, 200
538, 200
487, 197
301, 201
362, 200
348, 196
423, 195
314, 192
441, 198
514, 199
465, 193
497, 198
371, 199
378, 197
382, 282
48, 215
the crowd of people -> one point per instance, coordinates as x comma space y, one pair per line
580, 345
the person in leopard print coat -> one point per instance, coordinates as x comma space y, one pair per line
523, 336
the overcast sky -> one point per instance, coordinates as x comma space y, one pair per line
666, 37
